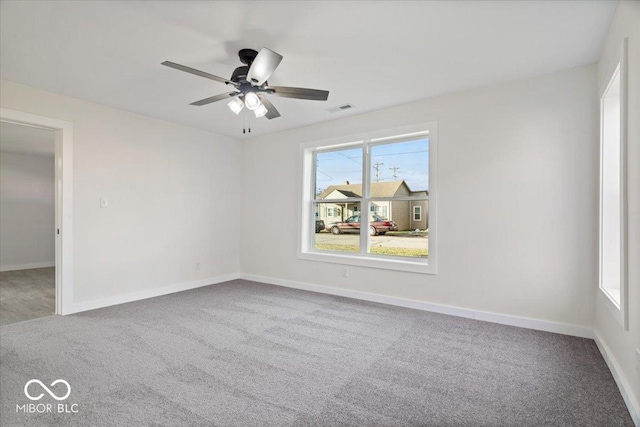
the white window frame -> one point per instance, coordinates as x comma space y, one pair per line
306, 225
618, 310
419, 213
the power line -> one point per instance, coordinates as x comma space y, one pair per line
318, 169
400, 154
330, 177
351, 158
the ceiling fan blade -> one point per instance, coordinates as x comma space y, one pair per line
300, 93
196, 72
215, 98
263, 66
272, 112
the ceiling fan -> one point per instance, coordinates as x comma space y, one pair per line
251, 86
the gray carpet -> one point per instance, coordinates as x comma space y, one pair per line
249, 354
27, 294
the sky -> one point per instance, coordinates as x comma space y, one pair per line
411, 160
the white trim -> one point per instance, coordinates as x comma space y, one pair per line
306, 225
27, 266
378, 261
618, 309
419, 212
612, 307
504, 319
64, 198
149, 293
365, 204
623, 385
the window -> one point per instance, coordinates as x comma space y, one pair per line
391, 176
417, 213
379, 210
613, 226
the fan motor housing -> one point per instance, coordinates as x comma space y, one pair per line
240, 74
247, 56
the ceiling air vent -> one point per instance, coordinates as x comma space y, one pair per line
340, 108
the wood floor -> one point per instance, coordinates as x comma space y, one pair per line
26, 294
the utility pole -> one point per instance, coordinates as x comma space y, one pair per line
376, 166
395, 171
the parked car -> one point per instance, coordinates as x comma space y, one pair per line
352, 225
319, 225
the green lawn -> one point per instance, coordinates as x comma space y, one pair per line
421, 253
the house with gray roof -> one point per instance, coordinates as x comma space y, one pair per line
408, 214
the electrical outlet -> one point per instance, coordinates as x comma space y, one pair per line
197, 266
345, 272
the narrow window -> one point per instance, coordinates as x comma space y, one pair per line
610, 202
417, 213
613, 224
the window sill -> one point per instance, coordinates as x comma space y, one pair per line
614, 309
423, 267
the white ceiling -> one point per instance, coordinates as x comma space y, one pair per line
26, 140
372, 54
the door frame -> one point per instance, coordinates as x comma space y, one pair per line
63, 199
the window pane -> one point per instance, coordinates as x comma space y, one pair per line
398, 233
339, 174
380, 209
611, 192
400, 169
337, 227
417, 213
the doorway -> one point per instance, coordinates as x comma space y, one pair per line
27, 222
36, 278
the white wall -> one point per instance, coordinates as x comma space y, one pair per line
517, 213
622, 344
173, 193
27, 211
517, 201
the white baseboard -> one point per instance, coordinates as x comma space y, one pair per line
523, 322
504, 319
27, 266
156, 292
625, 389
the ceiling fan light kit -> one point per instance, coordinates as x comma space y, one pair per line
236, 105
260, 111
251, 101
251, 86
